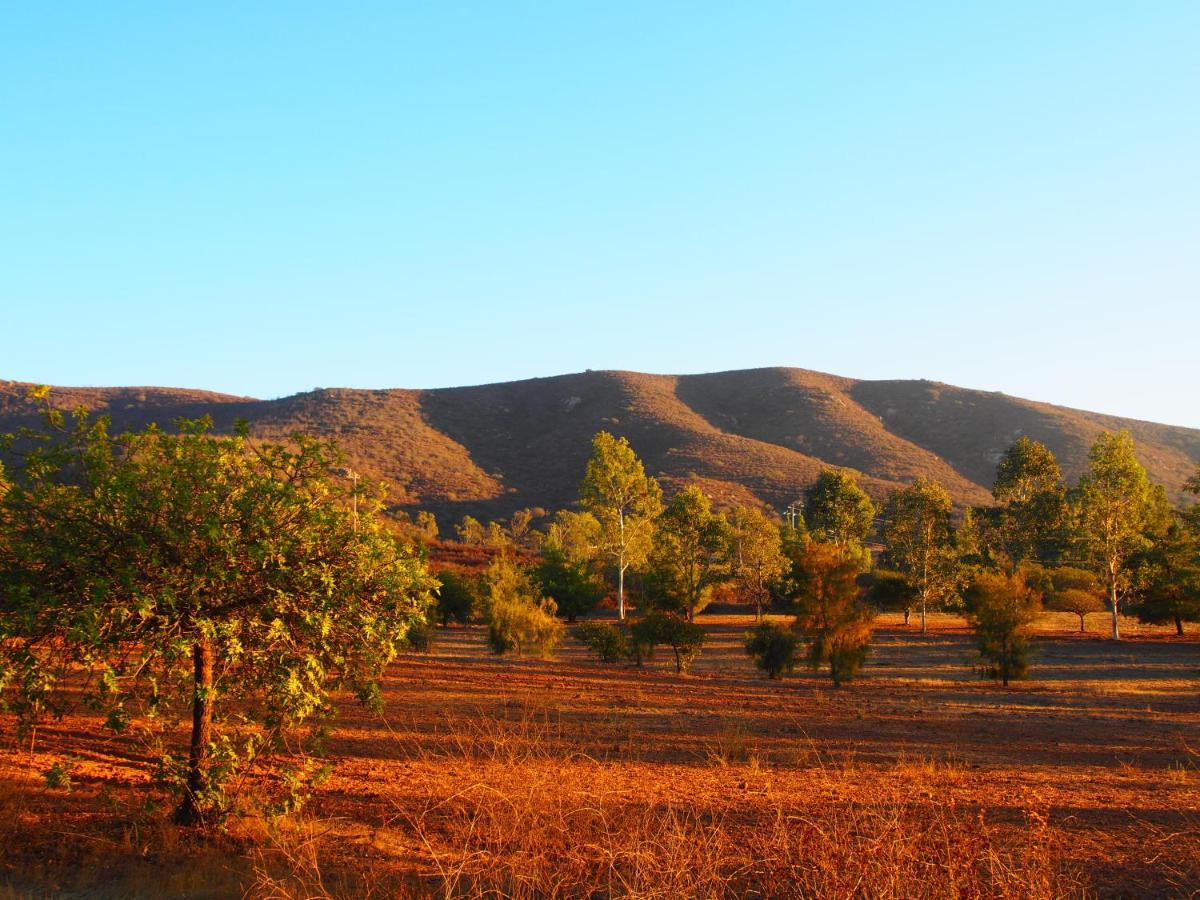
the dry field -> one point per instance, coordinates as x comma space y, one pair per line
531, 778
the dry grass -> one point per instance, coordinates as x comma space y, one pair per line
497, 777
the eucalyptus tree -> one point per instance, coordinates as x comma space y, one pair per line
756, 556
918, 539
837, 510
625, 501
1117, 506
691, 549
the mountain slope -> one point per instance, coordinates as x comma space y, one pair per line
757, 434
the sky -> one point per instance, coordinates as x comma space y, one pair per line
265, 198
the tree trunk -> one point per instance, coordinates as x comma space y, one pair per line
189, 811
907, 613
1081, 629
621, 590
1112, 599
922, 615
1179, 625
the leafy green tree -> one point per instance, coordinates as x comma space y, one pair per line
691, 548
571, 585
1077, 591
685, 638
577, 535
886, 589
1028, 523
837, 510
604, 639
1001, 608
1167, 579
625, 501
757, 555
1117, 506
470, 531
457, 597
831, 614
519, 618
185, 571
918, 538
773, 648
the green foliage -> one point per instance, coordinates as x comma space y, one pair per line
1167, 579
1001, 608
691, 549
571, 585
193, 574
685, 638
518, 617
624, 501
457, 597
886, 589
1030, 521
1117, 506
837, 510
772, 647
830, 612
604, 639
757, 554
421, 638
919, 543
1068, 589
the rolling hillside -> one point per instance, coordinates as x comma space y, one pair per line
762, 433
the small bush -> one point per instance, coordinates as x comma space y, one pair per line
421, 638
1001, 609
773, 648
457, 597
605, 640
683, 637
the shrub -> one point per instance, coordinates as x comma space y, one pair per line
773, 648
1001, 608
456, 597
518, 617
421, 638
830, 613
571, 584
683, 637
607, 641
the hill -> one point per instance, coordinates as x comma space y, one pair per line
760, 434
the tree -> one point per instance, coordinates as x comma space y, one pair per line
757, 556
577, 535
657, 627
1001, 608
831, 613
772, 647
190, 571
1028, 523
456, 597
604, 639
1167, 579
691, 548
1072, 590
470, 531
919, 543
837, 510
518, 616
571, 585
1116, 506
624, 500
888, 590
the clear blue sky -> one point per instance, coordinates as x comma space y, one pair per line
261, 198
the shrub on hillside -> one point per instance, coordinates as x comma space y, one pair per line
773, 648
607, 641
